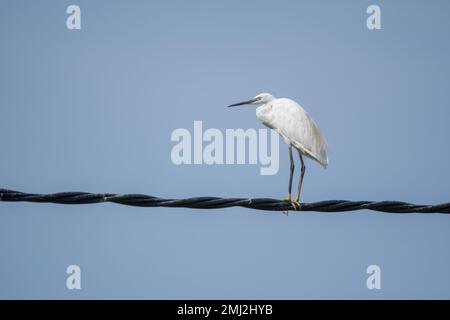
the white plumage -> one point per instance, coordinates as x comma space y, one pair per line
297, 128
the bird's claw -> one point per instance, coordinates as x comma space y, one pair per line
296, 205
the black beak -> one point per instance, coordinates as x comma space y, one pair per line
242, 103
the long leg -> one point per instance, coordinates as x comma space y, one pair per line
299, 190
291, 173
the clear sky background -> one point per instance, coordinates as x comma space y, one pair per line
93, 110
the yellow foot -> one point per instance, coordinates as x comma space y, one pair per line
295, 204
288, 199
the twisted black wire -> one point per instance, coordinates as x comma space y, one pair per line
140, 200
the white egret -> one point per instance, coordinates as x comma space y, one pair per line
297, 128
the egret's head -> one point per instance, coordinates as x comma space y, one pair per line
259, 100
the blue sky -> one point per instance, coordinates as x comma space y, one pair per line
94, 109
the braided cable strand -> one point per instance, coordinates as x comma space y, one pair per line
140, 200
